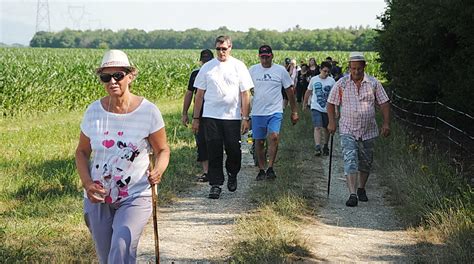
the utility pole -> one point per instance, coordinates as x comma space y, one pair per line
42, 16
76, 14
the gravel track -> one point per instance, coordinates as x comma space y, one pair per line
196, 229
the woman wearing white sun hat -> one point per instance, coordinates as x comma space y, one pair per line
118, 131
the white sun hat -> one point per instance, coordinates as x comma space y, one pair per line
356, 56
115, 58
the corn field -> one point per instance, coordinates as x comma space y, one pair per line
46, 80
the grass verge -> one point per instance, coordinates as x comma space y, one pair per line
40, 195
430, 196
270, 234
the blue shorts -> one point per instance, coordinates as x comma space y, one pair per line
358, 155
320, 119
265, 125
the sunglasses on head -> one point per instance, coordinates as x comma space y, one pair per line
221, 48
106, 77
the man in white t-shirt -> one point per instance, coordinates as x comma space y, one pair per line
267, 108
319, 87
223, 84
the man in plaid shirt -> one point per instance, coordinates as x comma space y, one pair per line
356, 95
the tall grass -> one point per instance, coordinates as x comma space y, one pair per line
271, 233
430, 195
41, 216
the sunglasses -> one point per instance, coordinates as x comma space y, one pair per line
106, 77
223, 49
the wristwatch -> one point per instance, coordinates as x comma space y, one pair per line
246, 118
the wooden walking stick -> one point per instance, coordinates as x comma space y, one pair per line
154, 201
330, 165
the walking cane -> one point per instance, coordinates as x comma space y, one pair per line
154, 200
330, 164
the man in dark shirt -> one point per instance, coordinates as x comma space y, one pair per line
206, 55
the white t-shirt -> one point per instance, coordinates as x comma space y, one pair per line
223, 83
321, 89
120, 147
267, 98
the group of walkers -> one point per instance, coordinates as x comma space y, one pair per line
119, 131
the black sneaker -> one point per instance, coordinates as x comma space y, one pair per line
271, 174
362, 195
318, 151
215, 192
231, 182
352, 200
261, 175
325, 150
203, 178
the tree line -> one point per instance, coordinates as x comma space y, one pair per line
426, 50
344, 39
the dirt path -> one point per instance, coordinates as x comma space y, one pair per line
369, 232
196, 229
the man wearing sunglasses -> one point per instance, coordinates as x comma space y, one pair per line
267, 108
223, 84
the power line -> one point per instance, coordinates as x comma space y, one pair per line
76, 14
42, 16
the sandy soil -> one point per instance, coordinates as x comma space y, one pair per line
369, 232
196, 229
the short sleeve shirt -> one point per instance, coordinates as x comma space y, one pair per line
191, 87
267, 99
192, 78
358, 105
223, 83
320, 91
120, 148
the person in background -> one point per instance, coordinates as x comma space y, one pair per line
319, 88
290, 66
302, 81
206, 55
223, 85
313, 67
118, 131
267, 110
293, 70
356, 95
336, 71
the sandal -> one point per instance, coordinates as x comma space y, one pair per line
203, 178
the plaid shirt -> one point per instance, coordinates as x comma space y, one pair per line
358, 107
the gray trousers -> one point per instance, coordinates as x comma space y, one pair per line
116, 228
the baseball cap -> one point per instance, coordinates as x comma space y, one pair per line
265, 50
206, 55
356, 56
287, 60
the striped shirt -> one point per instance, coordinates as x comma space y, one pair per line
358, 105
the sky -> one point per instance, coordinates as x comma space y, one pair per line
18, 18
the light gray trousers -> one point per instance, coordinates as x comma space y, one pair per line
116, 228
